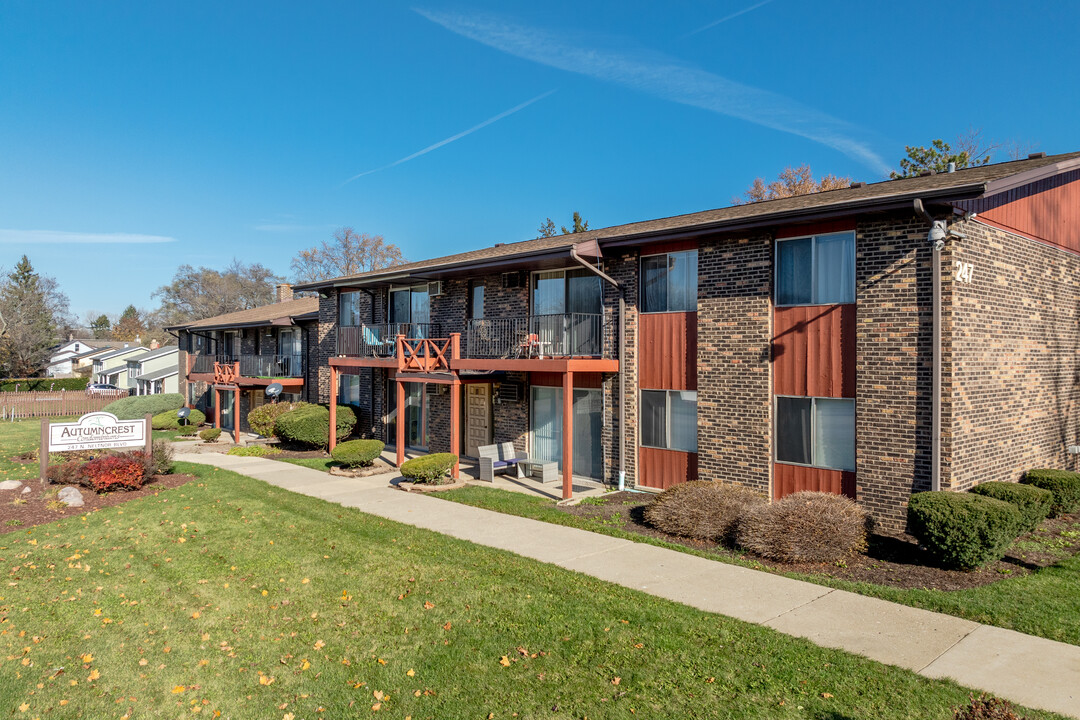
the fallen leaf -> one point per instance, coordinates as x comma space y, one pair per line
428, 604
87, 658
411, 672
826, 695
447, 626
319, 644
24, 707
287, 716
305, 581
616, 680
265, 680
178, 689
378, 694
381, 661
195, 615
94, 675
305, 666
143, 661
504, 661
376, 707
711, 680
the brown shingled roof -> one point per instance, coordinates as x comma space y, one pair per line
968, 182
262, 315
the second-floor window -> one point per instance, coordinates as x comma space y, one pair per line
476, 301
816, 270
349, 309
133, 370
669, 282
410, 305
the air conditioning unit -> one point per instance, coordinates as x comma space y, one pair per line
512, 280
434, 288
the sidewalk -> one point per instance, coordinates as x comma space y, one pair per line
1028, 670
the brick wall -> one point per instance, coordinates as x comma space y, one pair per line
511, 419
623, 268
1015, 356
734, 378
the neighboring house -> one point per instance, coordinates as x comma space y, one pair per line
77, 353
112, 367
784, 345
156, 372
227, 362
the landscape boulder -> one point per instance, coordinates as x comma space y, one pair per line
70, 496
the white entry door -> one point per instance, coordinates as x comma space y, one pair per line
477, 417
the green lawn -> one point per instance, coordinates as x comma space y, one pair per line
1044, 603
17, 438
231, 596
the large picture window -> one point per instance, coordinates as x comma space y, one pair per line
819, 432
816, 270
669, 419
669, 282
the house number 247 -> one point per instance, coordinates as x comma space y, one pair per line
964, 271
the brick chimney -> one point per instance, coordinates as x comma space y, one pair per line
284, 292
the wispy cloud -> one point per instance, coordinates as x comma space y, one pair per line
59, 237
664, 77
452, 138
724, 19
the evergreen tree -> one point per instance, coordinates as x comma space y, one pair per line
31, 309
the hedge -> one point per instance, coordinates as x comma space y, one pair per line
310, 425
42, 384
168, 421
431, 469
262, 418
1065, 486
1033, 503
963, 530
210, 434
136, 406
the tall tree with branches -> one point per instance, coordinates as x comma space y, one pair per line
32, 309
348, 253
969, 150
197, 293
547, 228
791, 181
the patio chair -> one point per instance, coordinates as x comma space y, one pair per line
500, 458
378, 347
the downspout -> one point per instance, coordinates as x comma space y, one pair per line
936, 237
622, 357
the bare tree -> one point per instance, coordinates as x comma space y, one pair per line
197, 293
791, 181
349, 253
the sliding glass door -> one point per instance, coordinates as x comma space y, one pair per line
410, 308
546, 410
567, 307
414, 415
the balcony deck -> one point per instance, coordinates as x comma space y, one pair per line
248, 370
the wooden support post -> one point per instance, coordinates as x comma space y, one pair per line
43, 453
236, 413
455, 425
400, 354
217, 407
148, 431
333, 406
399, 441
568, 435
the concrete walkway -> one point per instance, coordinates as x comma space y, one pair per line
1029, 670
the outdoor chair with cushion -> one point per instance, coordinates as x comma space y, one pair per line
500, 458
378, 347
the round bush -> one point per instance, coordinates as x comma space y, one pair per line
262, 418
168, 421
805, 527
1033, 503
187, 430
357, 453
210, 434
310, 425
429, 469
123, 471
963, 530
136, 406
1063, 484
701, 509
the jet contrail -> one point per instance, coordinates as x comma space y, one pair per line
452, 138
732, 16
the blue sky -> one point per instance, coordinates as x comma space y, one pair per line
138, 136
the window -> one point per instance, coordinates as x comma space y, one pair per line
819, 432
669, 419
349, 309
669, 282
476, 301
410, 305
349, 390
816, 270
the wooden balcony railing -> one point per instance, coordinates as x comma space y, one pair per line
203, 363
272, 366
427, 354
559, 335
380, 340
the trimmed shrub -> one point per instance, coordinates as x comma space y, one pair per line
357, 453
187, 430
124, 471
43, 384
963, 530
65, 473
135, 406
1064, 484
210, 434
254, 451
262, 418
429, 469
701, 509
1032, 502
160, 460
168, 421
310, 425
805, 527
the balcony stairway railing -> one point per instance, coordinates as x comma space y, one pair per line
380, 340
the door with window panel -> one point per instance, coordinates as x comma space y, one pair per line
546, 423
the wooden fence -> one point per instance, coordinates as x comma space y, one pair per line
26, 405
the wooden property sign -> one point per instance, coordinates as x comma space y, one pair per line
93, 431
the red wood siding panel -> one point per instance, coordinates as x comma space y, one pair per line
813, 350
661, 469
550, 379
788, 479
818, 228
667, 351
1048, 210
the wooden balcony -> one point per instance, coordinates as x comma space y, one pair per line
248, 369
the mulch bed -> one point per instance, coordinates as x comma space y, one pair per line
36, 511
890, 560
